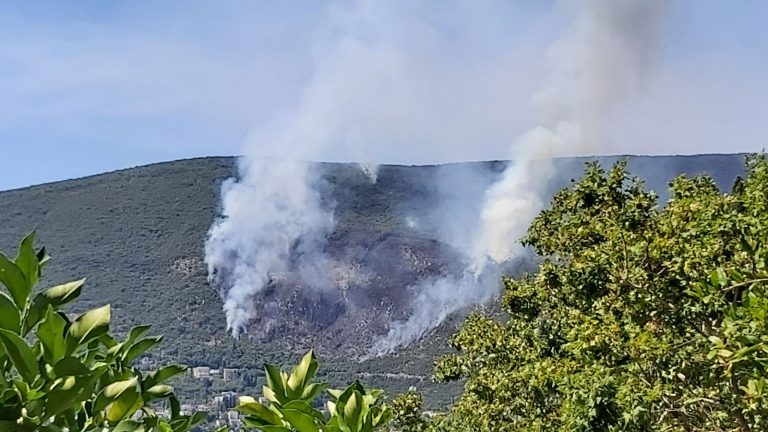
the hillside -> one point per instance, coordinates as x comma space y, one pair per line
138, 234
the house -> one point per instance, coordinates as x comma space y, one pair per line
230, 374
201, 372
233, 419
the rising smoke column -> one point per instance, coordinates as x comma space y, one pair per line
596, 66
271, 209
390, 81
595, 69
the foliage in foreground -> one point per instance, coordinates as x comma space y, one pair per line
639, 318
290, 404
61, 374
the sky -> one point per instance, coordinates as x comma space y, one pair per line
91, 86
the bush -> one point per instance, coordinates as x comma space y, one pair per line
62, 374
290, 404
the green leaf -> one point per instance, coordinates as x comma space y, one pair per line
87, 326
68, 392
140, 348
300, 421
269, 394
157, 392
163, 374
108, 341
250, 407
312, 391
352, 410
305, 407
128, 425
9, 314
11, 426
746, 351
184, 424
175, 407
42, 258
382, 418
257, 424
71, 366
21, 355
13, 278
112, 392
51, 335
303, 373
121, 399
26, 259
55, 297
275, 382
125, 405
136, 333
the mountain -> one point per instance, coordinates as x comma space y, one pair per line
138, 235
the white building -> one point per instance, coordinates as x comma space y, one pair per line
230, 374
201, 372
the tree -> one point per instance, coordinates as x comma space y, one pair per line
62, 374
639, 318
407, 412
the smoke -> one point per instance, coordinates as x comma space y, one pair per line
597, 65
273, 211
396, 82
384, 87
606, 59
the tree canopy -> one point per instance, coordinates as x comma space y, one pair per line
640, 317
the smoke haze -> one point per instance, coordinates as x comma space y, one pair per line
606, 58
265, 214
394, 78
594, 68
388, 78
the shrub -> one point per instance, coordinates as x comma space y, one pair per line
290, 398
58, 373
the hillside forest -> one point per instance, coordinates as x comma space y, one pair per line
641, 314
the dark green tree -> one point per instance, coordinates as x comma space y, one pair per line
639, 318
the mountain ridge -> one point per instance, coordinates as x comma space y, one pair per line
138, 235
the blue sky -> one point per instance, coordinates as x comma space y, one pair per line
92, 86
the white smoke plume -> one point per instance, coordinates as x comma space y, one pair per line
272, 209
595, 67
394, 82
384, 82
606, 60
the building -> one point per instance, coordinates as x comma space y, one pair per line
230, 374
233, 419
229, 400
201, 372
187, 409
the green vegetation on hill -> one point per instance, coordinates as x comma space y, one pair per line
139, 237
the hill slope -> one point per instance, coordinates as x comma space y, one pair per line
138, 236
